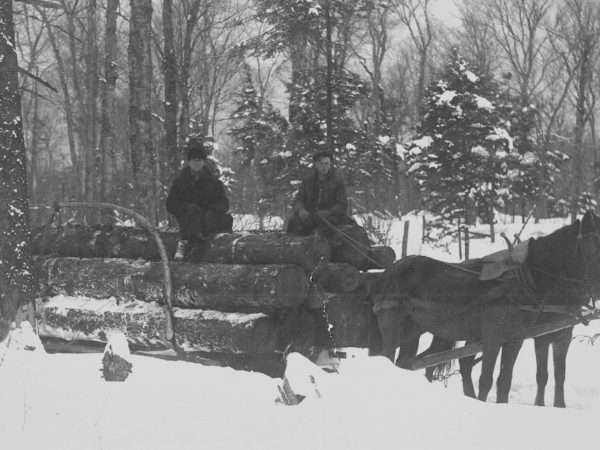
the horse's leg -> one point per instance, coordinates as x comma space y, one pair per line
466, 367
408, 350
560, 348
510, 351
438, 345
542, 346
488, 361
391, 323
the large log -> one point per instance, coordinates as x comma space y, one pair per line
143, 324
380, 257
351, 245
271, 364
336, 277
127, 242
298, 331
222, 287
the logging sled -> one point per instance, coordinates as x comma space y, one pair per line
248, 299
241, 299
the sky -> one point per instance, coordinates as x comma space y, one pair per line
60, 401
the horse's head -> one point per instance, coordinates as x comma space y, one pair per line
588, 245
388, 309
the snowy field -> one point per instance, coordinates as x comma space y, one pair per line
61, 402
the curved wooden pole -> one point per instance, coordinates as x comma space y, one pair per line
145, 223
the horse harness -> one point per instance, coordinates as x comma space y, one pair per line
520, 278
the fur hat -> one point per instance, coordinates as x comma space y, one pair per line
194, 149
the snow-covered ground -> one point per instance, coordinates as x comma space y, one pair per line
61, 402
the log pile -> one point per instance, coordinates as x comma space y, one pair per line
243, 295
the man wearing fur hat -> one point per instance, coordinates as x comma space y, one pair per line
197, 200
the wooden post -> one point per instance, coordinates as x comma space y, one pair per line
467, 240
405, 238
459, 241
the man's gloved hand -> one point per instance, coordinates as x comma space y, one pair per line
303, 214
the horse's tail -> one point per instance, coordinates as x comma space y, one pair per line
442, 370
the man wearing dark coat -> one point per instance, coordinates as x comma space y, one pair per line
321, 201
197, 200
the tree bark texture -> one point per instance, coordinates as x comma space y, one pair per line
223, 287
108, 138
336, 277
16, 280
144, 325
123, 242
352, 247
170, 79
143, 155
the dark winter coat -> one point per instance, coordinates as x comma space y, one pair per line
207, 192
327, 195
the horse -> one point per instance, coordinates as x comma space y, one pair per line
560, 341
420, 294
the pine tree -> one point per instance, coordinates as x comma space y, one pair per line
463, 150
260, 132
323, 89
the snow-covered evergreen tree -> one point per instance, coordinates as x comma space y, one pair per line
463, 150
260, 132
323, 89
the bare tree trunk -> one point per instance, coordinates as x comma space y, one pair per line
66, 100
34, 143
170, 76
16, 280
143, 156
108, 144
191, 19
416, 16
79, 96
92, 188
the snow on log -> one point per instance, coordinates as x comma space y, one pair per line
85, 319
347, 320
336, 277
303, 379
128, 242
222, 287
380, 257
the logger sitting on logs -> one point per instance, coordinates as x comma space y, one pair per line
321, 202
197, 199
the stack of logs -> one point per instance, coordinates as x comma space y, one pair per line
240, 296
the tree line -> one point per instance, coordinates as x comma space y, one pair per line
111, 88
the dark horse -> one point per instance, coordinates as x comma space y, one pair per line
420, 294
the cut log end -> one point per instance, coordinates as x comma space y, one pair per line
380, 257
265, 335
337, 277
292, 286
